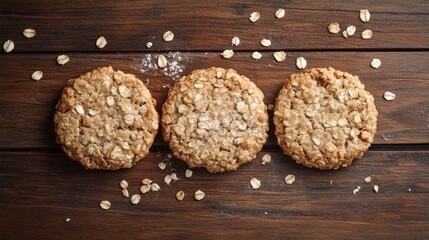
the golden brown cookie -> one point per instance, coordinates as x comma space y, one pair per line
324, 118
106, 119
215, 118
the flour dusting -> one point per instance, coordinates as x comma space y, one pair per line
174, 69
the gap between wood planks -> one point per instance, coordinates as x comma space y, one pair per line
149, 51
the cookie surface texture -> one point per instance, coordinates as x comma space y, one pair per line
215, 118
324, 118
106, 119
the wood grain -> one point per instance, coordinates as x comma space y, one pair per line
206, 26
40, 190
27, 106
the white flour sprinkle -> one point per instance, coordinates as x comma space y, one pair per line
174, 67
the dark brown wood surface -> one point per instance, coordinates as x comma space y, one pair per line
40, 187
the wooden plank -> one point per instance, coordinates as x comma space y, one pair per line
27, 106
66, 26
38, 191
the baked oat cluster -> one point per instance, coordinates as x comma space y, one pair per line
324, 118
106, 119
215, 118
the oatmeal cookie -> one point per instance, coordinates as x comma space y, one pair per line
106, 119
324, 118
215, 118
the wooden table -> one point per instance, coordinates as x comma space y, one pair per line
40, 187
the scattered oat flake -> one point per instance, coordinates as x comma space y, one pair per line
37, 75
168, 36
367, 34
174, 68
125, 192
266, 159
145, 188
101, 42
162, 165
149, 44
334, 28
146, 181
199, 195
169, 156
356, 190
68, 219
167, 179
289, 179
254, 16
8, 46
235, 41
174, 176
256, 55
162, 61
280, 13
301, 63
389, 96
330, 183
345, 34
154, 187
180, 195
368, 179
364, 15
29, 32
280, 56
105, 204
351, 30
188, 173
266, 42
123, 184
376, 188
255, 183
409, 189
135, 199
227, 53
375, 63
